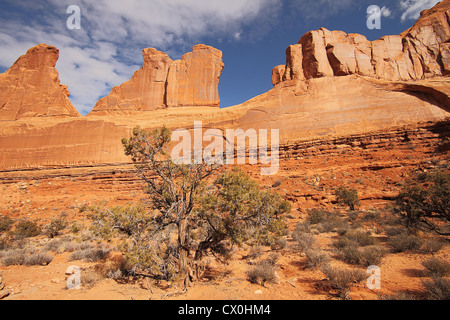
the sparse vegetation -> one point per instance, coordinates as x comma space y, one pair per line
405, 242
5, 224
91, 254
38, 259
348, 197
263, 272
56, 225
437, 288
316, 258
342, 279
26, 229
437, 267
425, 203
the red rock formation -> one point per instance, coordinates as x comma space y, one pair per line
162, 82
146, 89
194, 81
420, 52
31, 87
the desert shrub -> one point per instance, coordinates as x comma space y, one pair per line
38, 259
14, 257
26, 229
5, 224
350, 251
305, 241
399, 296
3, 244
325, 221
301, 227
127, 221
432, 246
60, 245
272, 259
56, 225
255, 251
334, 224
91, 254
394, 231
263, 272
372, 255
437, 267
361, 237
342, 279
405, 242
279, 244
347, 197
371, 215
437, 288
425, 203
316, 258
317, 215
75, 227
90, 278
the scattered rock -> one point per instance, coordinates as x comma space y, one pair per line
4, 293
258, 292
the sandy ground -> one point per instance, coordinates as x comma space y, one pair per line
308, 182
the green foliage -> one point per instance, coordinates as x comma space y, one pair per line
325, 221
437, 267
26, 229
347, 197
263, 272
56, 225
316, 258
405, 242
425, 203
238, 210
121, 220
189, 214
342, 279
437, 288
5, 224
38, 259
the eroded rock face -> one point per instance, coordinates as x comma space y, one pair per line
31, 87
194, 80
420, 52
145, 91
162, 82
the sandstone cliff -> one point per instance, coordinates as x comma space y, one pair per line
31, 87
418, 53
162, 82
333, 85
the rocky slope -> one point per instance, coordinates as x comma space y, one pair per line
333, 85
162, 82
420, 52
31, 87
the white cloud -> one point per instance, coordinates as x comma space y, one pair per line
107, 50
386, 12
412, 8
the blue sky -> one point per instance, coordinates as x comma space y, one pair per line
253, 35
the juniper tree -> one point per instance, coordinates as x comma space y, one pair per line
204, 208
